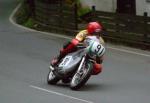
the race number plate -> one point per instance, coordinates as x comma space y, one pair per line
65, 61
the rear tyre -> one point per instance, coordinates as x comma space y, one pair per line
51, 78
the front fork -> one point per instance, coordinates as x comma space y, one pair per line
82, 62
80, 66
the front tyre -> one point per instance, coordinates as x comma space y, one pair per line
51, 78
79, 79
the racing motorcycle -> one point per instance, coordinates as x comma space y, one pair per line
76, 67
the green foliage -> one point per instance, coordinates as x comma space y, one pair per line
22, 14
29, 23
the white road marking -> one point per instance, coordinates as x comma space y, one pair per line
66, 37
60, 94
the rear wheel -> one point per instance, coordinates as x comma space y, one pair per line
79, 79
51, 78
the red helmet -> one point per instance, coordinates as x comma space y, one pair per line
94, 27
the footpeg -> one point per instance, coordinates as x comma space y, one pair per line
52, 68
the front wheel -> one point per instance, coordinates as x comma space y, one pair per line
51, 78
79, 79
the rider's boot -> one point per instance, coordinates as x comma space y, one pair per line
56, 59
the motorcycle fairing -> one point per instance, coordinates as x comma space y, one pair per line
70, 62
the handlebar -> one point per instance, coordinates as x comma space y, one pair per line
81, 46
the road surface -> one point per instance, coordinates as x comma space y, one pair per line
24, 61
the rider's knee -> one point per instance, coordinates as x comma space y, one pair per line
97, 69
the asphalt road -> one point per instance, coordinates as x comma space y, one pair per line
24, 61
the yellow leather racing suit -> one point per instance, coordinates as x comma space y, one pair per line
83, 34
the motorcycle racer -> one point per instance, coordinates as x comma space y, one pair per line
93, 30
